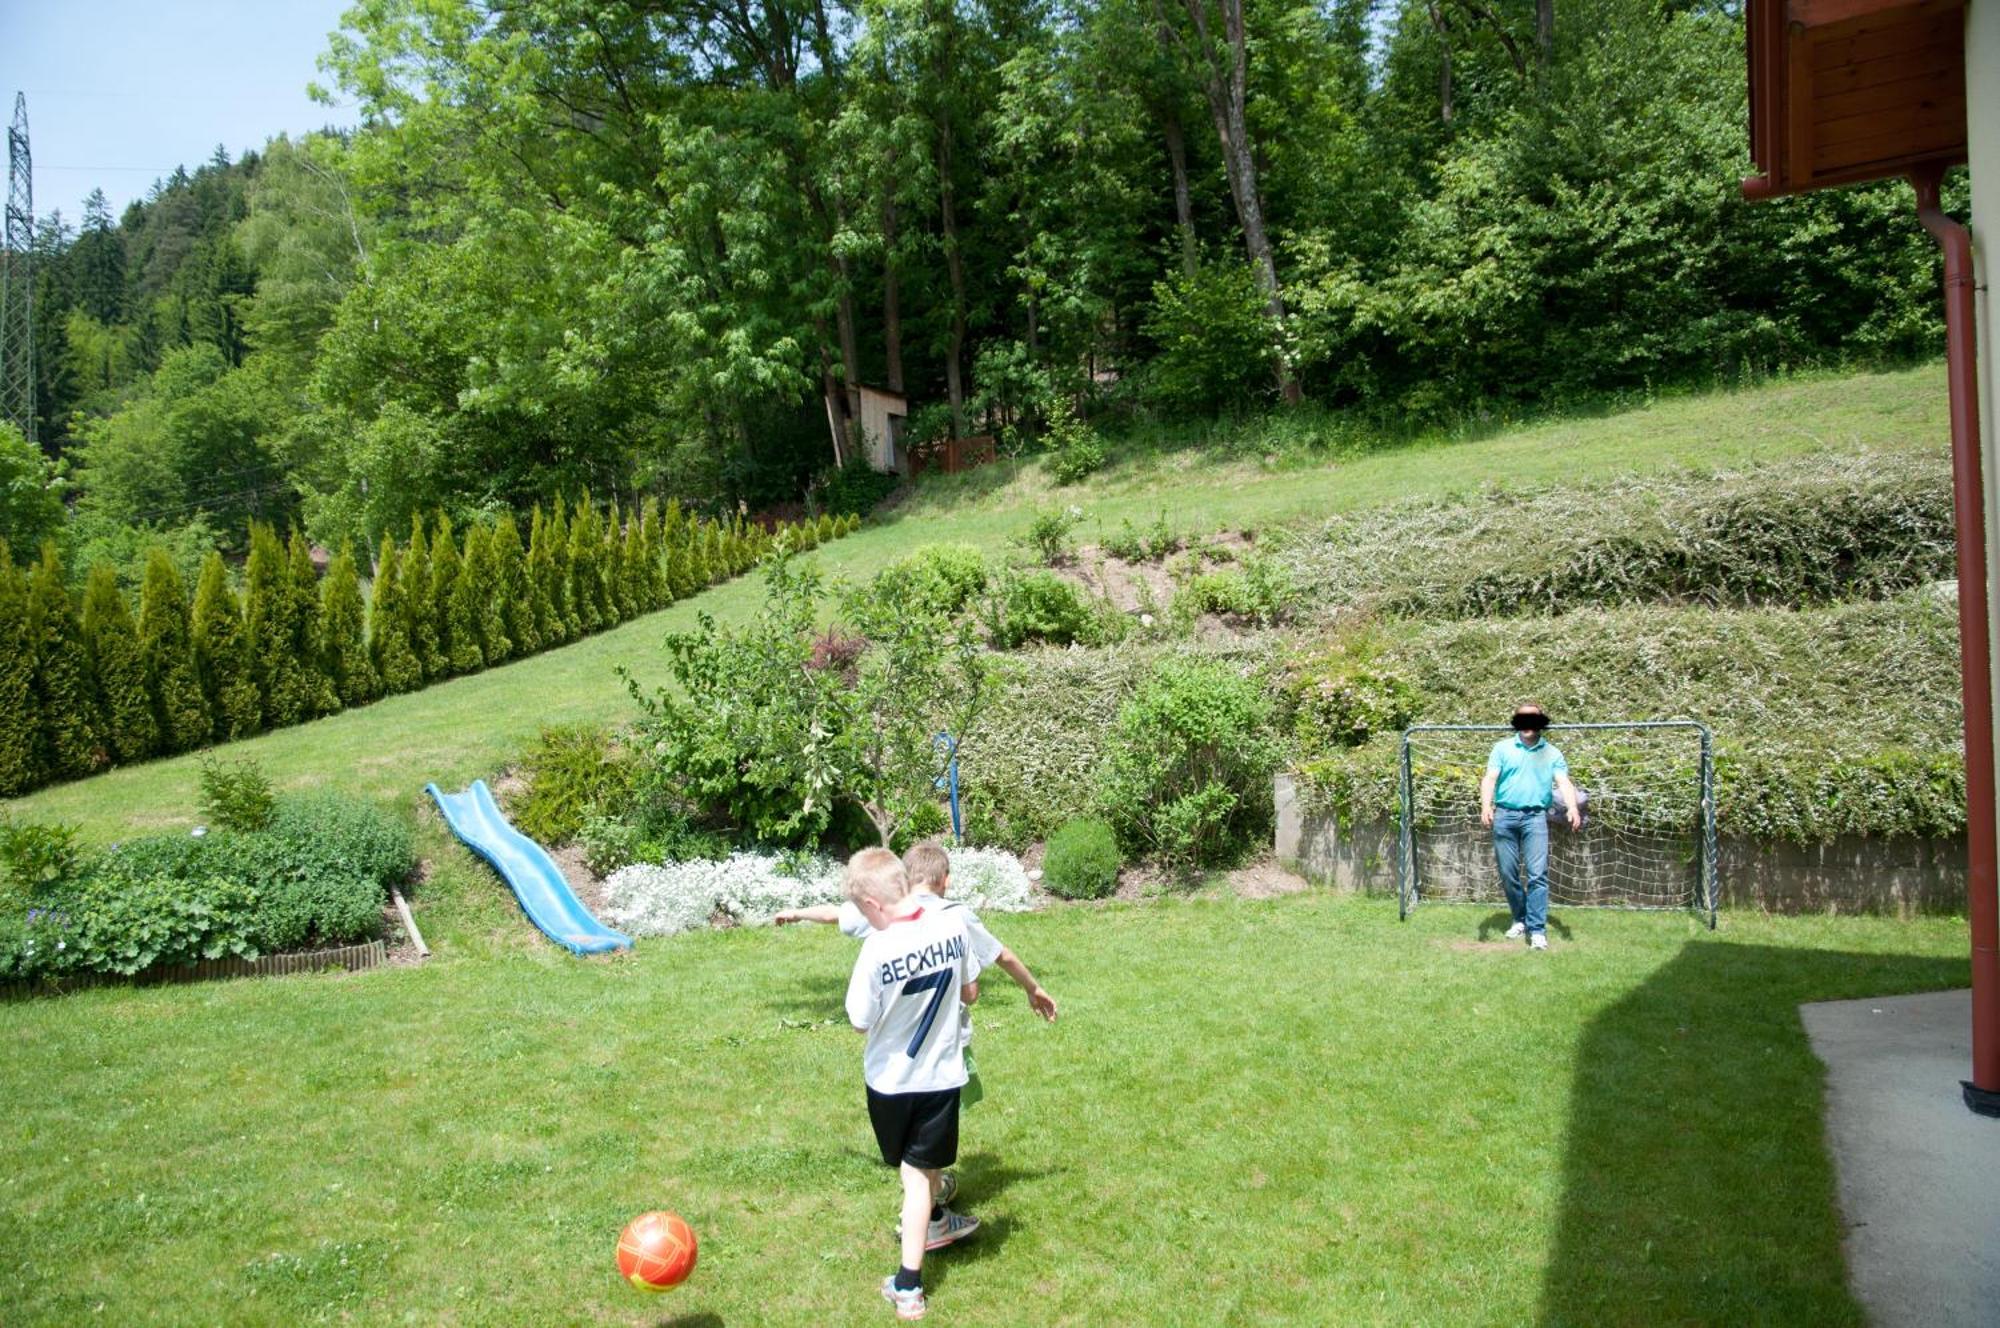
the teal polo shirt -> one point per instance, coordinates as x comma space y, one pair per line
1527, 774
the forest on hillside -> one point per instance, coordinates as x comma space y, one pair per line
637, 247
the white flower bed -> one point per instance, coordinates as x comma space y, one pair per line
660, 900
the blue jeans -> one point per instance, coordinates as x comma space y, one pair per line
1521, 847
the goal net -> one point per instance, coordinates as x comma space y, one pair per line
1648, 837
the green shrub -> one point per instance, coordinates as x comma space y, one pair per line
167, 656
35, 859
127, 925
235, 795
1081, 860
1040, 606
573, 773
22, 766
855, 489
73, 731
1189, 776
342, 833
1076, 452
222, 661
1048, 534
1339, 696
938, 578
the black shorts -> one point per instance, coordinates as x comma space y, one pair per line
918, 1128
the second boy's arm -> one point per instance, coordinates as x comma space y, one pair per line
1039, 1001
817, 913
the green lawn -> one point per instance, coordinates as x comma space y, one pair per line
468, 727
1286, 1111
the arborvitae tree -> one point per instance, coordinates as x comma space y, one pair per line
166, 652
221, 661
22, 764
711, 554
617, 606
397, 668
586, 583
418, 623
307, 634
540, 577
343, 643
658, 595
510, 574
672, 564
111, 642
73, 729
632, 576
494, 641
562, 608
466, 609
266, 627
445, 562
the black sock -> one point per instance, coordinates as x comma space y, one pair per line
937, 1211
909, 1279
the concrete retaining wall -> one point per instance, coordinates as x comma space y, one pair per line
1851, 874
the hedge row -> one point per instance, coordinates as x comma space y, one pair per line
83, 690
1835, 720
1810, 530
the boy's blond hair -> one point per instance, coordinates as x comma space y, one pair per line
877, 874
928, 866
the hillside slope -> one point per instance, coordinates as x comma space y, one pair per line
466, 728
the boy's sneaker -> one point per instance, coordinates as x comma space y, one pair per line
909, 1304
1538, 942
949, 1229
1517, 931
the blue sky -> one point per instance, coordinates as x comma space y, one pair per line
122, 91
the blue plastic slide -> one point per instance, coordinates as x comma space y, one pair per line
538, 883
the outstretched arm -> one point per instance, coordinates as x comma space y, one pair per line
828, 913
1039, 1001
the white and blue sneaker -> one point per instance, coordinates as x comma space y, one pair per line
1539, 941
1517, 931
909, 1304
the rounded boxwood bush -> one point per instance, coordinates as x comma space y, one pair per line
1081, 860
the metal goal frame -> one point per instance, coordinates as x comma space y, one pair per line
1409, 885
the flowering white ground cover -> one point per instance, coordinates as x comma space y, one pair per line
648, 899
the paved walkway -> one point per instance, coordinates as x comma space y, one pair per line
1919, 1174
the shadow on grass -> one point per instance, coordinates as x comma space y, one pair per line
811, 997
701, 1320
1696, 1182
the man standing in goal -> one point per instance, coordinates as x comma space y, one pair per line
1523, 774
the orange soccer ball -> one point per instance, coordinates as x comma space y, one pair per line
656, 1251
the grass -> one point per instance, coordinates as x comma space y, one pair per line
468, 727
1286, 1111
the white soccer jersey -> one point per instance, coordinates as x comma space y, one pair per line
984, 947
905, 993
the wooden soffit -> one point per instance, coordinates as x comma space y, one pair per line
1843, 91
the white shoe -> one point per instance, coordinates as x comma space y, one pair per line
1538, 942
949, 1229
1517, 931
909, 1304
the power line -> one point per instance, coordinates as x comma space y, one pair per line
17, 280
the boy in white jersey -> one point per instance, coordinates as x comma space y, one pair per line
916, 971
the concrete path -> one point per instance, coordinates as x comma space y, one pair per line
1919, 1174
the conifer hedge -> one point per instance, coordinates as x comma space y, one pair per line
81, 690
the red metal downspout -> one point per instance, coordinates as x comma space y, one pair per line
1982, 1093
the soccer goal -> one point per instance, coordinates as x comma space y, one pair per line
1648, 837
